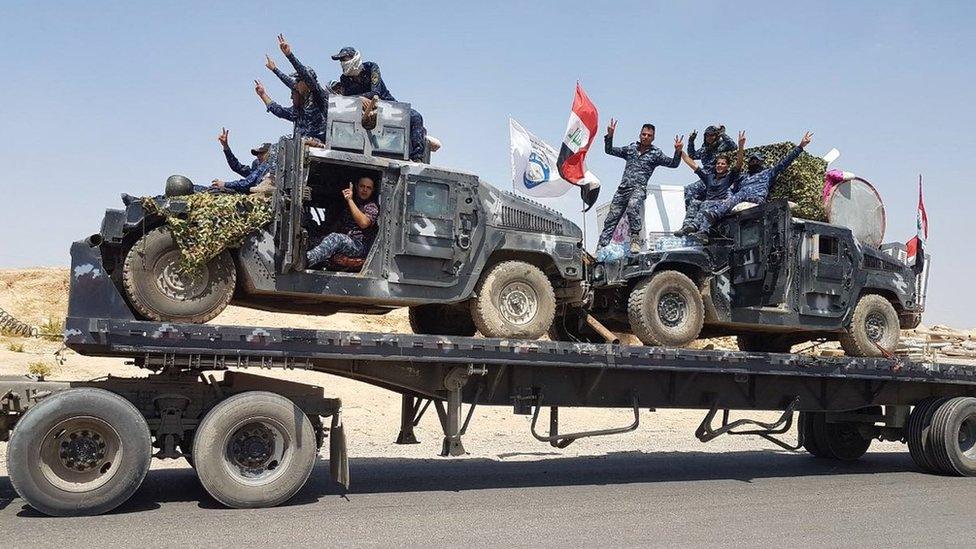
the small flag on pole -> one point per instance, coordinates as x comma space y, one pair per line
916, 246
580, 131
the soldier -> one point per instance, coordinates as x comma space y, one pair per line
251, 174
363, 78
753, 187
716, 142
717, 186
642, 157
310, 101
357, 226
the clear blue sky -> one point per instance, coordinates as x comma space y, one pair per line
104, 97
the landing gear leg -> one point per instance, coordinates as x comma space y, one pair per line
451, 417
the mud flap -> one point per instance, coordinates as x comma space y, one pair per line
338, 456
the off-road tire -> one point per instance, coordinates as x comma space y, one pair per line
918, 434
158, 290
504, 292
571, 326
953, 436
437, 319
254, 484
644, 310
763, 343
871, 310
94, 425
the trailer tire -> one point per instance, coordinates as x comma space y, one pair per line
954, 436
158, 290
918, 434
79, 452
874, 323
438, 319
809, 440
763, 343
514, 299
666, 309
255, 449
840, 441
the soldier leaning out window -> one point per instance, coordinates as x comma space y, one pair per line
357, 226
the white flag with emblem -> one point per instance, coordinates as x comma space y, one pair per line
534, 169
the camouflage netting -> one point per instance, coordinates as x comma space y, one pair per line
801, 183
213, 223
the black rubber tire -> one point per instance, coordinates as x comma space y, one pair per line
487, 307
212, 443
31, 474
645, 319
763, 343
954, 448
840, 441
855, 339
919, 426
153, 259
809, 440
571, 326
437, 319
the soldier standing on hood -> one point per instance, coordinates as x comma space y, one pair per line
363, 78
310, 101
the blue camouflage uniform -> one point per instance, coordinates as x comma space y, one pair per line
708, 154
251, 174
632, 191
752, 187
369, 84
310, 120
717, 188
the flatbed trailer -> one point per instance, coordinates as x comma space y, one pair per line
84, 447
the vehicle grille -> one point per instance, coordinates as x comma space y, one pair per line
524, 221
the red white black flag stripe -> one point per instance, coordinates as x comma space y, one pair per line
580, 131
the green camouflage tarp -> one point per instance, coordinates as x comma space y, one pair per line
213, 223
801, 183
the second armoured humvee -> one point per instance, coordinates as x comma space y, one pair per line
768, 278
460, 253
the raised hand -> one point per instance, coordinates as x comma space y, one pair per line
612, 127
679, 142
742, 139
283, 44
270, 63
222, 138
259, 88
807, 137
217, 184
692, 135
347, 193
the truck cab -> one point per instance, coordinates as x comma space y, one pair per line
768, 278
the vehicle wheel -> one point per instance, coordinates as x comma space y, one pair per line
514, 300
79, 452
572, 326
842, 441
874, 323
953, 436
810, 441
448, 320
255, 449
666, 309
919, 427
159, 290
763, 343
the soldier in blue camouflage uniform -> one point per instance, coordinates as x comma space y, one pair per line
363, 78
753, 187
717, 186
642, 157
310, 101
357, 226
252, 174
716, 143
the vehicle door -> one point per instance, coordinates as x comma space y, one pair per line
288, 202
760, 256
827, 257
438, 220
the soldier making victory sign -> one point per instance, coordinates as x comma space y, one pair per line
252, 174
641, 157
310, 101
716, 186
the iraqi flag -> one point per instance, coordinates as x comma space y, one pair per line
580, 131
916, 246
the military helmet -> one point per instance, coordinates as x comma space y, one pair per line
178, 185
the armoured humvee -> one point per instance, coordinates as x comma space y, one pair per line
461, 254
768, 278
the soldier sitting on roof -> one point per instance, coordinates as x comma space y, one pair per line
718, 185
357, 226
716, 143
310, 101
363, 78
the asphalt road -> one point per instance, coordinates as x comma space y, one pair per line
674, 499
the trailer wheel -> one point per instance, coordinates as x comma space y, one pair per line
874, 323
255, 449
953, 436
159, 290
809, 440
79, 452
437, 319
666, 309
514, 300
918, 434
842, 441
763, 343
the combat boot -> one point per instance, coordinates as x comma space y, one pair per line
635, 245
